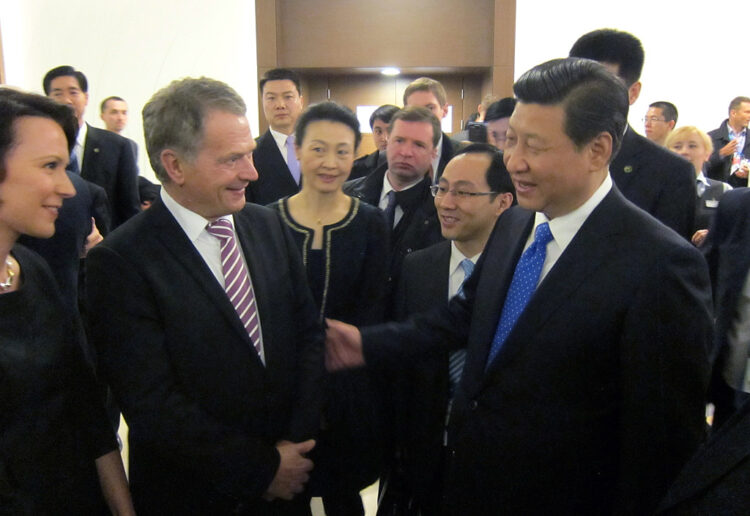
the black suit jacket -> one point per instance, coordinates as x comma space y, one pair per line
716, 479
421, 390
366, 164
108, 161
418, 227
596, 399
274, 179
726, 250
656, 180
719, 168
449, 148
204, 413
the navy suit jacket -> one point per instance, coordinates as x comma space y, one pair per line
274, 178
720, 168
716, 479
204, 412
597, 398
109, 161
726, 250
656, 180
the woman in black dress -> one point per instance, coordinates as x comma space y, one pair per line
58, 453
344, 247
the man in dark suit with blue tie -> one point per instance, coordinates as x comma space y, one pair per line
102, 157
207, 332
274, 156
585, 323
473, 191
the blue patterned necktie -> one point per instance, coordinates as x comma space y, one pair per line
458, 358
522, 286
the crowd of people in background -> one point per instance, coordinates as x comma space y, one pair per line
529, 317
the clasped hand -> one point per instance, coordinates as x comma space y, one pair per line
343, 346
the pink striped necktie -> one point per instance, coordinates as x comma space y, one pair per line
237, 280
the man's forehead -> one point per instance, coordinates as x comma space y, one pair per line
466, 168
65, 82
280, 86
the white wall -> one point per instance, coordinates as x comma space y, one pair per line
695, 55
132, 48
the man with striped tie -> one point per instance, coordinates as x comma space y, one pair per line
473, 191
586, 325
206, 329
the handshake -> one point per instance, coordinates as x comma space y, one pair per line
343, 346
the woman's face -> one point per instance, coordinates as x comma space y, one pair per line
35, 181
690, 146
326, 155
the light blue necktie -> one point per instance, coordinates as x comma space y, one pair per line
458, 358
73, 164
522, 286
291, 158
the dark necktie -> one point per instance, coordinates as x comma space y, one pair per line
73, 164
390, 209
522, 286
457, 358
237, 280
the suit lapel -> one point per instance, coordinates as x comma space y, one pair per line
256, 259
625, 165
91, 151
497, 265
177, 243
584, 255
276, 162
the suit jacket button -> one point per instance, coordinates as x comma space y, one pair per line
408, 250
473, 405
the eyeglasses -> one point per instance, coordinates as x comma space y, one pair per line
441, 191
652, 119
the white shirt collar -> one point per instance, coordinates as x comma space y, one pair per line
82, 132
279, 137
565, 227
190, 222
702, 178
457, 257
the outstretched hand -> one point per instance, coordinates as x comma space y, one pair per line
343, 346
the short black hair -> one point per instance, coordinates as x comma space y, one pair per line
593, 98
330, 111
384, 113
613, 46
15, 104
502, 108
64, 71
668, 109
103, 105
280, 74
497, 176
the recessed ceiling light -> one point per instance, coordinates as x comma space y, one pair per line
390, 71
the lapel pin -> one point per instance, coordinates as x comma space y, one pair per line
628, 169
96, 149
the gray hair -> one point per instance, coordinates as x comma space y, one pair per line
174, 117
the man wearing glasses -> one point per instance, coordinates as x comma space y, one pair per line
659, 121
473, 191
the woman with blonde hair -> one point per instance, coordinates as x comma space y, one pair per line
695, 146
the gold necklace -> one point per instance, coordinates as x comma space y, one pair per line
5, 285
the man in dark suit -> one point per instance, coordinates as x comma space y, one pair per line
729, 262
585, 322
429, 93
648, 175
401, 187
729, 160
274, 157
102, 157
379, 122
473, 191
716, 479
208, 333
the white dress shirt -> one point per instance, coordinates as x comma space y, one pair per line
387, 187
456, 277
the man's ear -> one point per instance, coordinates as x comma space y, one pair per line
600, 150
174, 166
634, 92
671, 124
505, 201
